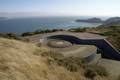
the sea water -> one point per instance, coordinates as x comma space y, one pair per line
20, 25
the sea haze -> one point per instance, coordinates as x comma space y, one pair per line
20, 25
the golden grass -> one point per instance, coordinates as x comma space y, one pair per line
18, 62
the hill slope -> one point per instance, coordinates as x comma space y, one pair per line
19, 62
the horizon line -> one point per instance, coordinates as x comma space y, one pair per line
38, 14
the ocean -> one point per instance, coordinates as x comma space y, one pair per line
20, 25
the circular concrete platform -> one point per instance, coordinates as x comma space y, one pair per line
58, 43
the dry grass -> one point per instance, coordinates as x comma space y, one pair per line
19, 62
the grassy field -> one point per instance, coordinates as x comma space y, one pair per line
26, 61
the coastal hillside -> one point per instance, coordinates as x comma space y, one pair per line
113, 21
25, 61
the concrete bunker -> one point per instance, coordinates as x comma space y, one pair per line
69, 46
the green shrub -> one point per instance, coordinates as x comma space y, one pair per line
108, 33
39, 31
13, 36
27, 34
8, 35
77, 30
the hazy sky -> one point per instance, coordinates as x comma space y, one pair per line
62, 7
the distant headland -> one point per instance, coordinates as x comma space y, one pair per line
105, 23
90, 20
3, 18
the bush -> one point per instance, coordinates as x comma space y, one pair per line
39, 31
3, 35
13, 36
77, 30
8, 35
90, 73
108, 33
101, 71
27, 34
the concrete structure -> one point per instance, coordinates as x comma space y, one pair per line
79, 39
70, 49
